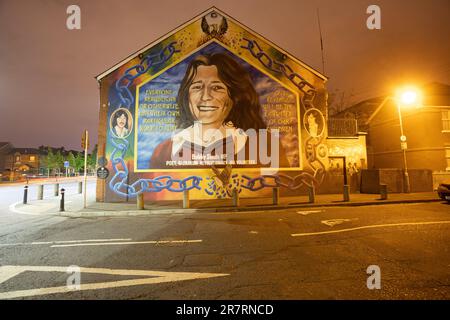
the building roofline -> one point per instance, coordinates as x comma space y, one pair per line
24, 151
5, 144
113, 68
385, 100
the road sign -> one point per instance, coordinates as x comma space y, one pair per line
102, 161
404, 145
66, 164
102, 173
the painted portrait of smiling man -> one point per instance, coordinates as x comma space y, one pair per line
121, 123
220, 120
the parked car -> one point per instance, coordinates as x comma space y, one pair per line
444, 191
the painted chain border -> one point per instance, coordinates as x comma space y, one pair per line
118, 183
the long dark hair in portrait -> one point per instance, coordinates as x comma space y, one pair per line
118, 115
246, 110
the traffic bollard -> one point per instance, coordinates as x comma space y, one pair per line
61, 204
80, 186
276, 196
346, 192
383, 192
140, 201
56, 189
40, 192
235, 197
186, 202
25, 195
311, 194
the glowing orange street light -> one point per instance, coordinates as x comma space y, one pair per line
408, 96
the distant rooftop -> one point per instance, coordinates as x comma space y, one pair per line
42, 150
24, 151
3, 144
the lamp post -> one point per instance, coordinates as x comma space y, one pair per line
406, 96
403, 146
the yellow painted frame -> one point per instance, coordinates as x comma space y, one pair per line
300, 167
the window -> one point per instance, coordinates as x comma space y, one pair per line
447, 157
446, 121
17, 158
32, 158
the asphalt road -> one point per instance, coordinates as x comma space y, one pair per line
321, 253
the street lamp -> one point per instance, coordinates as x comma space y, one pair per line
407, 96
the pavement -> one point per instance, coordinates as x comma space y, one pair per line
45, 180
74, 204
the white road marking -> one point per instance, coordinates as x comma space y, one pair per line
124, 243
6, 272
65, 241
334, 222
305, 213
370, 227
78, 241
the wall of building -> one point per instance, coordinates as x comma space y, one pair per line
425, 140
294, 102
16, 161
421, 180
353, 148
355, 153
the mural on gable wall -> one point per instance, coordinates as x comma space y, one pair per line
211, 108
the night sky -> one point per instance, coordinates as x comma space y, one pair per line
48, 93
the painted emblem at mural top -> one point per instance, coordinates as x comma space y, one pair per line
211, 108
